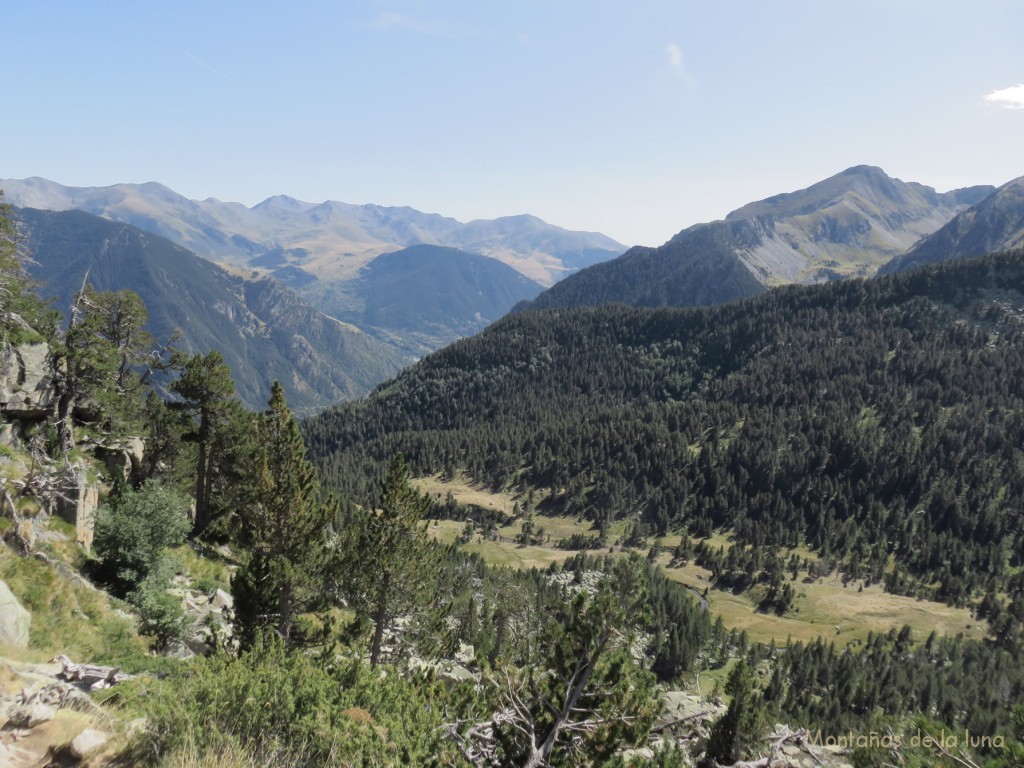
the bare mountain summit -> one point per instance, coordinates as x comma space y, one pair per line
994, 224
845, 226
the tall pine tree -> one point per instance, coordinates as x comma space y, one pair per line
286, 531
392, 564
207, 391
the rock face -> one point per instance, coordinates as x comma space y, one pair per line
14, 620
26, 384
77, 504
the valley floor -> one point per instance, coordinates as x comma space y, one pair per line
828, 608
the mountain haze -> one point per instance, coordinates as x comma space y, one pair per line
325, 252
426, 296
845, 226
264, 330
994, 224
330, 240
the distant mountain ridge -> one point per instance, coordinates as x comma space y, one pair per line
330, 240
847, 225
264, 330
994, 224
426, 296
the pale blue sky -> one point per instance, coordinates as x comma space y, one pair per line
635, 119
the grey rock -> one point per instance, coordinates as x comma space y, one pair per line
15, 621
176, 649
77, 505
122, 457
87, 742
221, 600
30, 715
26, 384
466, 654
8, 437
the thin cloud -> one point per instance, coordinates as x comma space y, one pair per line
675, 61
1008, 98
401, 21
207, 67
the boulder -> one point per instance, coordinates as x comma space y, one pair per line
122, 457
30, 715
221, 600
466, 653
8, 437
87, 742
26, 382
14, 620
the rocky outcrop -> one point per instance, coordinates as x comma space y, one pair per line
14, 620
26, 381
207, 619
29, 716
121, 457
77, 502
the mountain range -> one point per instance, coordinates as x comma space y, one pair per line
264, 331
325, 251
400, 304
329, 241
845, 226
994, 224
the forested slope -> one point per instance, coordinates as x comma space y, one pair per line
868, 419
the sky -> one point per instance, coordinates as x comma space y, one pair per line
635, 119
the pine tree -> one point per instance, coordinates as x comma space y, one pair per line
391, 560
286, 531
736, 731
23, 315
207, 389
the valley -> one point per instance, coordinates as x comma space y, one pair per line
829, 608
716, 492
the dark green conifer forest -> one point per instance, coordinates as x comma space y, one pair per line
867, 419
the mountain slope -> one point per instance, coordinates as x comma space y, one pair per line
697, 270
263, 330
427, 296
844, 226
849, 224
867, 419
330, 240
996, 223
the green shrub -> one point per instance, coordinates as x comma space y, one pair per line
134, 528
160, 613
271, 701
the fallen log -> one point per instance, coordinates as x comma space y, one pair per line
95, 676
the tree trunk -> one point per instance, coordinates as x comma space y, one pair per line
587, 665
380, 619
202, 519
284, 612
